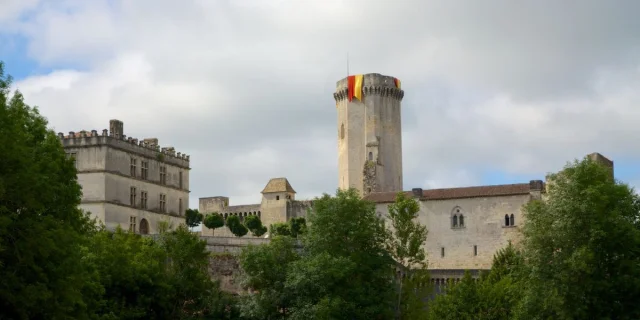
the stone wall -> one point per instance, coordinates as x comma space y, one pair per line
225, 269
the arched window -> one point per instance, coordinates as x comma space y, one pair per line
512, 220
506, 220
370, 156
144, 226
457, 217
258, 214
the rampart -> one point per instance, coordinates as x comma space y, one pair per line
146, 147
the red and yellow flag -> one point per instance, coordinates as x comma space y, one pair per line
354, 86
358, 87
351, 82
397, 81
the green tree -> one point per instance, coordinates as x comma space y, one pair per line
494, 296
213, 221
344, 231
280, 229
298, 226
342, 272
581, 247
43, 234
165, 278
254, 225
193, 218
236, 227
406, 247
295, 227
265, 270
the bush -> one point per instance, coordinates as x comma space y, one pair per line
236, 227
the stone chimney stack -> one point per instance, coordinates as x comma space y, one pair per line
117, 128
598, 158
535, 189
151, 141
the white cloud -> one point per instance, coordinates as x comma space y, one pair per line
245, 87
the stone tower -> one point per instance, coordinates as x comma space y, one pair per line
369, 133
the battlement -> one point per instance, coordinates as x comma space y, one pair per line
372, 84
116, 138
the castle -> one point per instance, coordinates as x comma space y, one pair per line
127, 182
466, 225
136, 184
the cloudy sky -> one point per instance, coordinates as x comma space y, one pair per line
494, 92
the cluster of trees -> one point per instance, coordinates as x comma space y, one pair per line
56, 263
215, 220
345, 264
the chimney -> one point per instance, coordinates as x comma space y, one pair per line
117, 128
600, 159
535, 189
417, 192
151, 141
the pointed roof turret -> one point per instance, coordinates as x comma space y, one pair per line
278, 185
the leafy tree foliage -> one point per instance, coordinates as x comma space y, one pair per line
254, 225
42, 231
492, 297
214, 221
343, 271
295, 227
193, 218
280, 229
265, 269
408, 236
405, 244
298, 226
236, 227
581, 246
165, 278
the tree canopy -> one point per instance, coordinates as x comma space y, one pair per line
585, 240
342, 271
42, 231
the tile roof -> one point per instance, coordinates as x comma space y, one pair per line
278, 185
457, 193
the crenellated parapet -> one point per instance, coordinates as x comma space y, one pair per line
372, 84
116, 139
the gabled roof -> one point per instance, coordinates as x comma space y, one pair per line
278, 185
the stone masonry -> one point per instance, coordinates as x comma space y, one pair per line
126, 182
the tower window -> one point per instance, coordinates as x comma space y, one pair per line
475, 250
370, 156
442, 252
342, 131
277, 197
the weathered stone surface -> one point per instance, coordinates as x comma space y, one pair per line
104, 164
